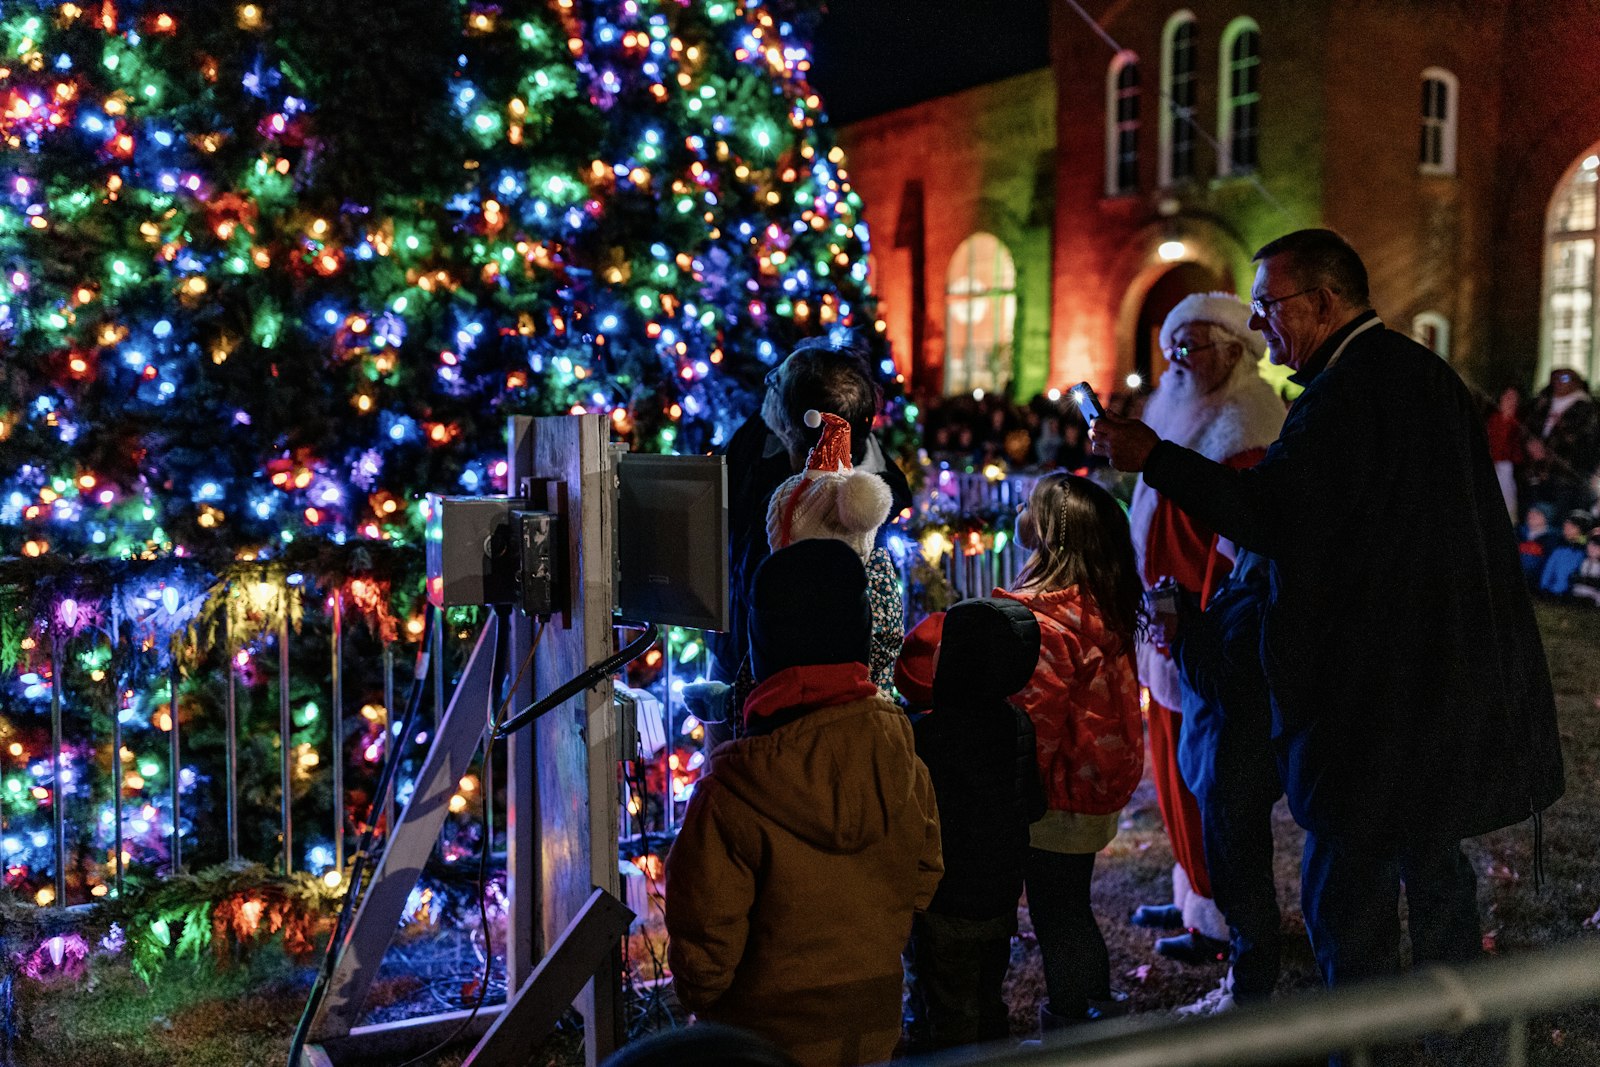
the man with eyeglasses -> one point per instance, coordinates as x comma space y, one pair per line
1412, 704
1212, 399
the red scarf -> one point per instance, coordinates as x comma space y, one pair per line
797, 690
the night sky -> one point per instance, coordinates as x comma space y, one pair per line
874, 56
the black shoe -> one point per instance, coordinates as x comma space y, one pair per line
1193, 948
1157, 917
1112, 1006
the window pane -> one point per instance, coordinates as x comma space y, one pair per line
1571, 303
980, 305
1577, 210
1244, 67
1181, 101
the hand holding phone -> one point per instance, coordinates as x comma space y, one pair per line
1088, 404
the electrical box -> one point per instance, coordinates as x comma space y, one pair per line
538, 545
471, 558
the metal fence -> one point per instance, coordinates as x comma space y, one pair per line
1477, 1015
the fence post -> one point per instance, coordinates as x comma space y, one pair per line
391, 743
286, 735
336, 729
116, 754
175, 767
58, 795
231, 740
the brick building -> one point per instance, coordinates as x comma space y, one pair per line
1036, 230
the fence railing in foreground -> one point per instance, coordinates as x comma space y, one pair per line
1502, 993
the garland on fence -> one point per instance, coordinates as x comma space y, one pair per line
151, 602
223, 914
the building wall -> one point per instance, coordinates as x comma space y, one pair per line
1551, 100
1340, 116
1424, 238
983, 159
1106, 249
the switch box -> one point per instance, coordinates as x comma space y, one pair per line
469, 551
540, 557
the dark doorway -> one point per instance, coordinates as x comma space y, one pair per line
1171, 287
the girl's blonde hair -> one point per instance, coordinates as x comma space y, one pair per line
1079, 536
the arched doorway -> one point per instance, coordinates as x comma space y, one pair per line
1162, 296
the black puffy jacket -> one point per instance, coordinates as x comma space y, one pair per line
979, 750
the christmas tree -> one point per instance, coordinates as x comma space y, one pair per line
272, 270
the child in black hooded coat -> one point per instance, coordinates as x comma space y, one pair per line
979, 750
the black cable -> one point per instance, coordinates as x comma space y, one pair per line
590, 678
497, 676
391, 763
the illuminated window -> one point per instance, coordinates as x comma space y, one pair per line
1437, 151
1432, 330
1239, 98
1569, 275
1177, 96
980, 316
1122, 125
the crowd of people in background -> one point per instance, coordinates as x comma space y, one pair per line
1325, 603
1547, 457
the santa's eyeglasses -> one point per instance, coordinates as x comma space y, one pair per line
1183, 352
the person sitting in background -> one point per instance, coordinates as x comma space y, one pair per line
1505, 445
980, 753
812, 840
1559, 569
1586, 582
1538, 540
1563, 445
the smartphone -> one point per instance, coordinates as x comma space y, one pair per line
1162, 598
1088, 404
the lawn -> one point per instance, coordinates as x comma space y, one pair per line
195, 1016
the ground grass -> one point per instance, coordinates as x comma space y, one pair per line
197, 1017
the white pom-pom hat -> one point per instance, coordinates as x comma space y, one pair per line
830, 498
1218, 309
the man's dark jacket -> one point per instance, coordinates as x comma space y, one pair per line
1411, 697
980, 755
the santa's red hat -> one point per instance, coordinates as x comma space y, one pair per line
829, 498
832, 450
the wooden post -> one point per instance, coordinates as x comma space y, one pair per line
577, 743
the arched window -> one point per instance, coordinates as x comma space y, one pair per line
1437, 151
980, 315
1569, 276
1177, 98
1239, 98
1432, 330
1122, 124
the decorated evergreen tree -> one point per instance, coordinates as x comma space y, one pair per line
274, 269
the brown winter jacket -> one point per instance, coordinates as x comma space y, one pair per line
791, 885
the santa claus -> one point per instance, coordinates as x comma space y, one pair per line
1210, 399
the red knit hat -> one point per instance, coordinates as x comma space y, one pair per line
919, 661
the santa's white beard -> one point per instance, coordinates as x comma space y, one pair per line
1178, 410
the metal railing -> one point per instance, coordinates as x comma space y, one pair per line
1474, 1014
